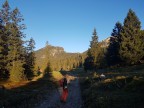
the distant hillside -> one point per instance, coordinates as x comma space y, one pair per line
57, 58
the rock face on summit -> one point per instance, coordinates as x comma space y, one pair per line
106, 42
49, 50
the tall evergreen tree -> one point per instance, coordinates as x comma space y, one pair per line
4, 37
16, 49
113, 57
93, 45
92, 52
131, 48
3, 52
30, 59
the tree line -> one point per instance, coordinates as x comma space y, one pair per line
17, 58
126, 46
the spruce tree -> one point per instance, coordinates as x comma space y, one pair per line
131, 48
113, 57
94, 48
92, 52
93, 45
30, 59
16, 48
4, 37
3, 51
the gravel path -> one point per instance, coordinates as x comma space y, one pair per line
74, 97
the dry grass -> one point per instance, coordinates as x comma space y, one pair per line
107, 80
120, 77
56, 75
12, 85
122, 88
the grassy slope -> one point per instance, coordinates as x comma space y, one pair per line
122, 88
26, 94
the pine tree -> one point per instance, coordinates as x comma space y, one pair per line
113, 57
16, 48
131, 48
4, 37
30, 59
94, 49
2, 51
93, 45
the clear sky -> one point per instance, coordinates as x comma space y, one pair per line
70, 23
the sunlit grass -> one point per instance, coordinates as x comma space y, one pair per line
11, 85
56, 75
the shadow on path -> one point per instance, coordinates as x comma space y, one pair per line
74, 97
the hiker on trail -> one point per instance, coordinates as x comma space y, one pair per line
63, 84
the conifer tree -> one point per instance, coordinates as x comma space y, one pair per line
131, 44
90, 61
113, 57
4, 37
93, 45
3, 52
16, 49
30, 59
94, 48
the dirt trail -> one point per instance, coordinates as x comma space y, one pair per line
74, 98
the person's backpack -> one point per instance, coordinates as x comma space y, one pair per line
64, 83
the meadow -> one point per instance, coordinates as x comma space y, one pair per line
121, 88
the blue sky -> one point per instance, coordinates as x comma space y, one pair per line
70, 23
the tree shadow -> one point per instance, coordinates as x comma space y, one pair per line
28, 94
